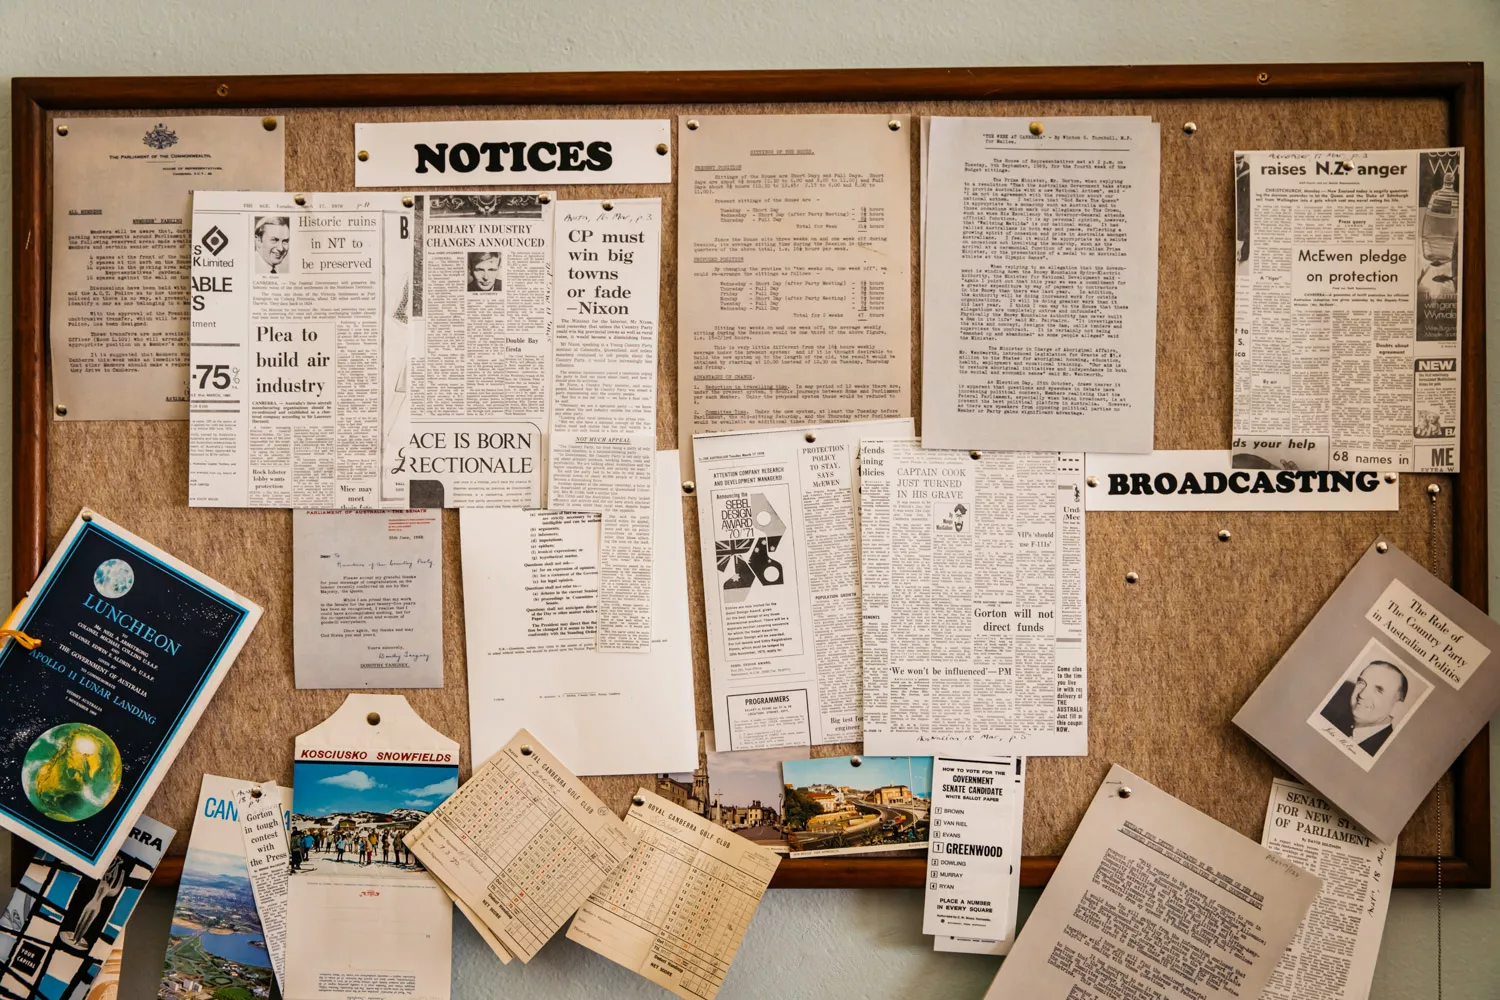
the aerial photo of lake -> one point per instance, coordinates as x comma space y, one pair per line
247, 949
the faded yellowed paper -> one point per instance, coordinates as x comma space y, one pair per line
520, 845
793, 271
121, 252
677, 909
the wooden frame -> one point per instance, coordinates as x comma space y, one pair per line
1461, 85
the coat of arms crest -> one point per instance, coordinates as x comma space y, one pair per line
160, 137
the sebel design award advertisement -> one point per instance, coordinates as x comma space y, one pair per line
133, 643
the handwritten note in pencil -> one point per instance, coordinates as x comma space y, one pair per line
367, 589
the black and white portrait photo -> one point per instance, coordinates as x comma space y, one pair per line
273, 241
1366, 710
484, 271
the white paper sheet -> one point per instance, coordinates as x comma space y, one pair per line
1154, 899
975, 605
557, 150
531, 584
122, 196
778, 521
367, 598
974, 851
364, 920
1039, 283
606, 292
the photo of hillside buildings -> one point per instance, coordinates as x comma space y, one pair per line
878, 803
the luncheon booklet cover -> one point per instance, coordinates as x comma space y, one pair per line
132, 645
1381, 692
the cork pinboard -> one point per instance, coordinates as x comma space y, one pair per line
1171, 657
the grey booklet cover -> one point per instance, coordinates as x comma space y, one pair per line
1381, 692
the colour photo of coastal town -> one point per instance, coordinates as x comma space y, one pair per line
348, 819
857, 804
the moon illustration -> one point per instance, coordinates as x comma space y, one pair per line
114, 578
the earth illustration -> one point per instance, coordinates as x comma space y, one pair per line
71, 771
114, 578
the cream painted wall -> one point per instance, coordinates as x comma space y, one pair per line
854, 944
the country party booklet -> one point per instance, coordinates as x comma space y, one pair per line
124, 647
1381, 692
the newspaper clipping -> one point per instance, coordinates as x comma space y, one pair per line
1333, 955
478, 354
602, 444
974, 605
778, 521
287, 315
1347, 309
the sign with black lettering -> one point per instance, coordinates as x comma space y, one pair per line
1224, 480
524, 153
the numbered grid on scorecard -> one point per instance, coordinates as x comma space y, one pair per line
500, 816
645, 887
708, 917
544, 872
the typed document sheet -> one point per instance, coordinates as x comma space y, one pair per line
607, 274
793, 271
1154, 899
521, 845
1333, 955
1039, 283
122, 251
778, 523
677, 909
531, 584
973, 601
367, 598
1348, 285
